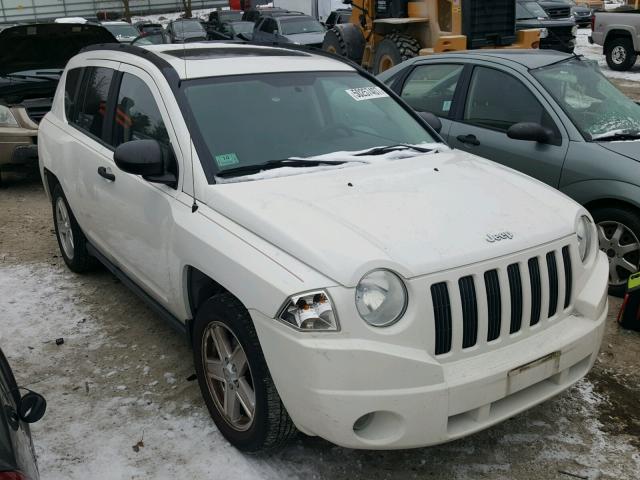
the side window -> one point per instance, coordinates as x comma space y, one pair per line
498, 100
71, 86
430, 88
137, 116
269, 25
92, 106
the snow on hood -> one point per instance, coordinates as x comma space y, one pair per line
415, 216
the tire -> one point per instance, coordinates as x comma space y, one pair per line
393, 50
77, 257
345, 40
607, 220
270, 426
620, 54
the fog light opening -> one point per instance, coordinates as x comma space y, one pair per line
363, 422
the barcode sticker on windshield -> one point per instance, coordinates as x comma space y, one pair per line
366, 93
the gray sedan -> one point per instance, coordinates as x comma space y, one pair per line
550, 115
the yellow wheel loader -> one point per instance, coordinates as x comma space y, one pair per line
383, 33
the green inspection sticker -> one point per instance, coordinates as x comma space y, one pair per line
227, 160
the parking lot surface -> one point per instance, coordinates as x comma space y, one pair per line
122, 402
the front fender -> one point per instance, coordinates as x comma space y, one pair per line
588, 191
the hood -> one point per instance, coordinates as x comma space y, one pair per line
414, 216
306, 38
629, 149
46, 45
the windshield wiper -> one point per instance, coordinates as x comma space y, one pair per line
391, 148
272, 164
26, 77
617, 135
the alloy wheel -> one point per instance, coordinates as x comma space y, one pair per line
622, 248
228, 376
65, 233
618, 55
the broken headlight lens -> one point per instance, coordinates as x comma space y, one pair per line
311, 311
6, 117
381, 298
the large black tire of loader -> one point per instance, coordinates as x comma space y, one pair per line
394, 49
345, 40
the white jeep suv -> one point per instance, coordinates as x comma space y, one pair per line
337, 268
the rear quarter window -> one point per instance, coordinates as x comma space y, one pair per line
71, 87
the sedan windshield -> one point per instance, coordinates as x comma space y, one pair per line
248, 120
595, 105
528, 10
187, 26
122, 30
292, 26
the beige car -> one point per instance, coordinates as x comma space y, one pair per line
29, 75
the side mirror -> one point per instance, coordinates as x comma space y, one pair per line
529, 131
433, 121
32, 407
146, 158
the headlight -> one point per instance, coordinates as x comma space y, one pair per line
311, 311
584, 232
574, 30
6, 117
544, 33
381, 298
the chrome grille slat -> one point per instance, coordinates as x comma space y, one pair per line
495, 303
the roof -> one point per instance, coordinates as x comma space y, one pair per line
529, 59
211, 59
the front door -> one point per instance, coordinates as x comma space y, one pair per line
495, 101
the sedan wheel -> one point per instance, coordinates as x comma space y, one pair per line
228, 376
622, 248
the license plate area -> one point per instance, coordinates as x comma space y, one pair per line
533, 372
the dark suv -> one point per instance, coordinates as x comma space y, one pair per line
556, 34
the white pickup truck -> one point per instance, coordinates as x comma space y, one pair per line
619, 34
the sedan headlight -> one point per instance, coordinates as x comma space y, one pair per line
311, 311
544, 33
585, 234
6, 117
381, 298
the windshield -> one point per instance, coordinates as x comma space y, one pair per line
594, 105
292, 26
122, 30
186, 26
242, 27
249, 120
527, 10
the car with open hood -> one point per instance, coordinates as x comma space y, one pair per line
33, 58
335, 266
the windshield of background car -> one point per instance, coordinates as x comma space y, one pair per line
527, 10
122, 30
242, 27
193, 26
593, 103
292, 26
249, 120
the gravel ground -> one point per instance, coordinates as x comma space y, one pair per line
123, 377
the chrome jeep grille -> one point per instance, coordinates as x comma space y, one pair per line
488, 298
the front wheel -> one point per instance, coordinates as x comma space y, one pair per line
619, 237
620, 54
234, 379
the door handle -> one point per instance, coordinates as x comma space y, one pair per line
104, 173
468, 139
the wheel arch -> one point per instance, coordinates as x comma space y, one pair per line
618, 33
611, 202
598, 193
50, 181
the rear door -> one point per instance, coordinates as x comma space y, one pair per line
494, 100
433, 87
